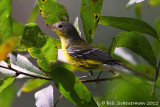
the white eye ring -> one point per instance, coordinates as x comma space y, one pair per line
60, 26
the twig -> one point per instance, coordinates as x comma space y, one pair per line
156, 76
55, 104
116, 76
31, 75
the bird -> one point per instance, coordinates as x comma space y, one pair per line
84, 56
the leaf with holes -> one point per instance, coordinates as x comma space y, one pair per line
90, 12
40, 46
5, 20
52, 11
72, 88
137, 43
6, 82
128, 24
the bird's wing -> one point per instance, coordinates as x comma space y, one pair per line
91, 54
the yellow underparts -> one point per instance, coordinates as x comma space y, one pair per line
80, 64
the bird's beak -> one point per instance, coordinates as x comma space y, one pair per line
51, 26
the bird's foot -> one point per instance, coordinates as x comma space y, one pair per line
86, 76
97, 78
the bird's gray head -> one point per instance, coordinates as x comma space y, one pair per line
64, 29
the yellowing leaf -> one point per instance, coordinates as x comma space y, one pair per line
7, 47
33, 84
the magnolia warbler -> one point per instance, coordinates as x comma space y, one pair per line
83, 55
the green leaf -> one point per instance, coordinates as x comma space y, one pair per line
64, 66
158, 83
157, 26
52, 11
34, 14
5, 20
7, 96
22, 64
131, 90
6, 82
137, 43
90, 12
40, 46
156, 47
17, 28
72, 88
20, 45
144, 68
138, 11
128, 24
33, 84
154, 2
156, 43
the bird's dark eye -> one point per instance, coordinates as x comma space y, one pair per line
60, 26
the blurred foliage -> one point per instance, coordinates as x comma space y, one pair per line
154, 2
138, 10
128, 93
34, 14
42, 47
6, 47
7, 96
33, 84
6, 82
5, 20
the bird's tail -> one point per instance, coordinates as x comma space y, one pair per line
127, 70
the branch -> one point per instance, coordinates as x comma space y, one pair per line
31, 75
156, 76
117, 75
97, 80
